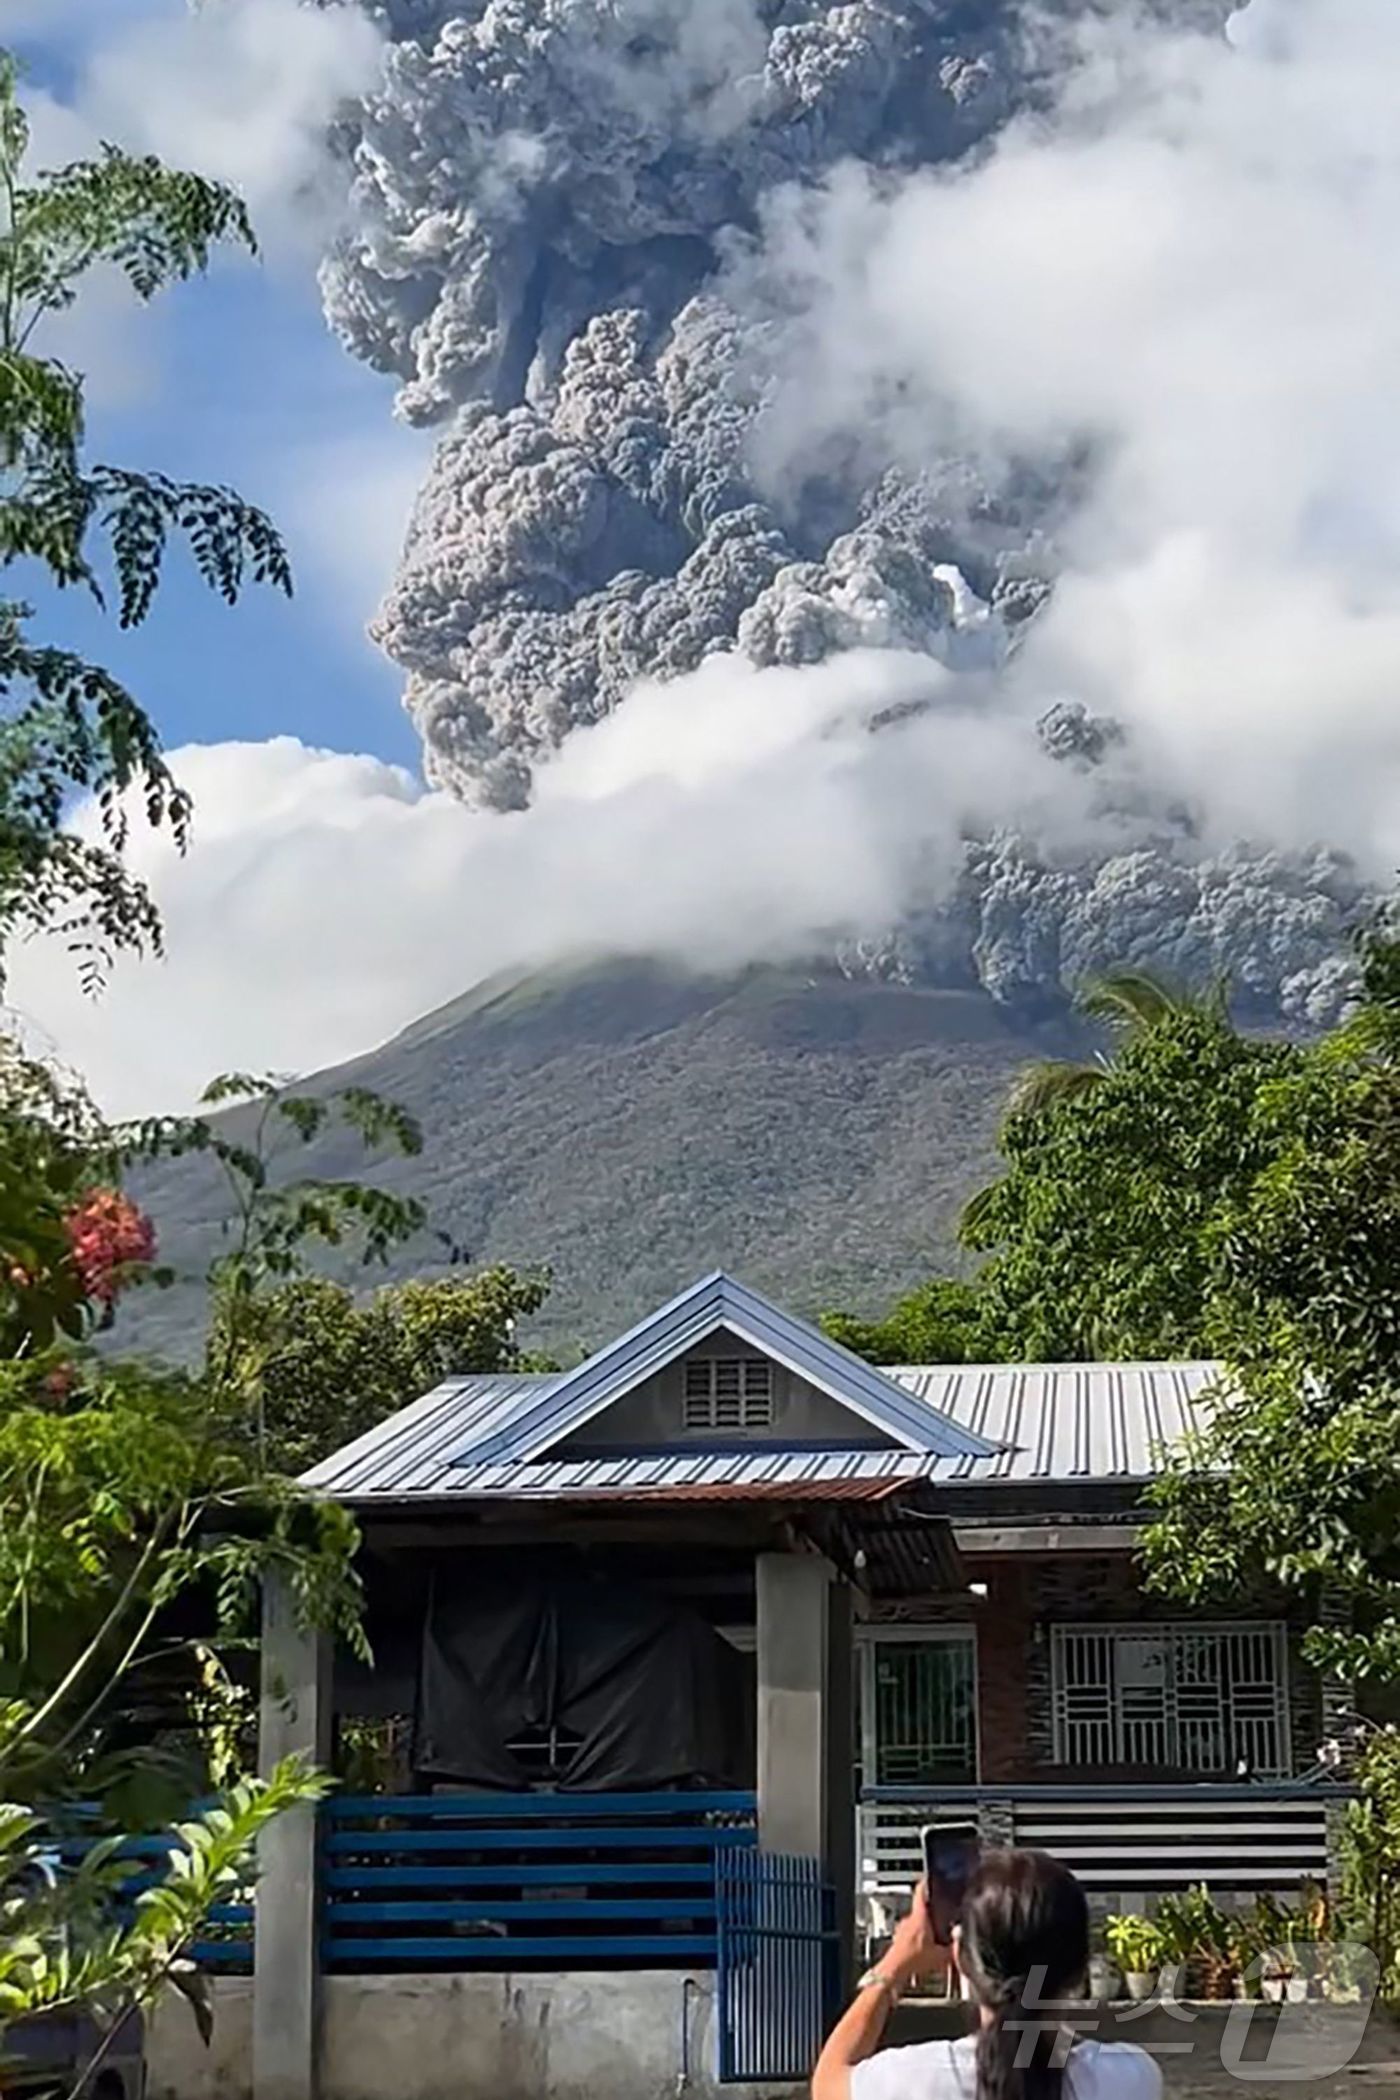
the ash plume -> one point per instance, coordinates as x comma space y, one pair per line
598, 242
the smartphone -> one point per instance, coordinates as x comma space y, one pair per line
951, 1852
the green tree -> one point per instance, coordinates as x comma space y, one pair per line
120, 1494
1298, 1473
1101, 1234
939, 1323
1096, 1228
278, 1220
67, 726
123, 1491
1127, 1004
139, 1517
49, 1131
328, 1366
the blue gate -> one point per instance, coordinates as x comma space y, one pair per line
778, 1965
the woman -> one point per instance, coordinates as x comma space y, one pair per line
1022, 1945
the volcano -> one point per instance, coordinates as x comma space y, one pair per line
629, 1127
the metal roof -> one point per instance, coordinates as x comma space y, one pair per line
1062, 1423
1066, 1422
718, 1301
411, 1452
741, 1473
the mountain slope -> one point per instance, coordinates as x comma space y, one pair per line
632, 1128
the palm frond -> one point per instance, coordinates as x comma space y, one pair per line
1051, 1084
1128, 1001
974, 1216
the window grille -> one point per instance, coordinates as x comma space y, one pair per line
919, 1707
728, 1392
1184, 1697
545, 1753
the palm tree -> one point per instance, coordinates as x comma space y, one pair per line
1128, 1003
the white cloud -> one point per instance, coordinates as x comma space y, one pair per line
242, 90
328, 900
1192, 264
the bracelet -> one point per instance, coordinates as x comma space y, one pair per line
876, 1978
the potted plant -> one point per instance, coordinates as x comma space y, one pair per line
1310, 1927
1200, 1939
1139, 1948
1104, 1982
1259, 1937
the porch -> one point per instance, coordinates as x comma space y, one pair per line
730, 1909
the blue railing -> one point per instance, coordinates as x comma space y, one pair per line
228, 1939
545, 1880
779, 1966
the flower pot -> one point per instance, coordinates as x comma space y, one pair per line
1140, 1984
1104, 1979
1272, 1989
1296, 1990
1212, 1977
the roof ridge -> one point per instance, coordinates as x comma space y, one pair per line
1063, 1363
718, 1301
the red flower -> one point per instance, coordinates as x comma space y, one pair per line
109, 1237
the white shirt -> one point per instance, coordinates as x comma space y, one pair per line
948, 2071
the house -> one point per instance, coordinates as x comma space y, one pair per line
677, 1651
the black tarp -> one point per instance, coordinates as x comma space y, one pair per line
650, 1693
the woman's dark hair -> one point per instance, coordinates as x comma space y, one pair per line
1025, 1944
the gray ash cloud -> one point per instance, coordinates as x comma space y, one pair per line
554, 247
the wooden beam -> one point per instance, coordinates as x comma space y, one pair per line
734, 1529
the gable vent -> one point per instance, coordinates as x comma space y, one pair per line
728, 1392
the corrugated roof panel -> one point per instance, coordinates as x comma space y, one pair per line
1066, 1421
844, 1490
708, 1473
1056, 1422
415, 1441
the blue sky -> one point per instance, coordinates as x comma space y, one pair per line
236, 379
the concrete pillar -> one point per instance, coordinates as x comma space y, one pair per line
807, 1731
839, 1851
794, 1661
294, 1715
806, 1723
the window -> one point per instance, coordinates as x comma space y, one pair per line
918, 1707
1193, 1698
545, 1754
728, 1392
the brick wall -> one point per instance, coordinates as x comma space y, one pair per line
1026, 1595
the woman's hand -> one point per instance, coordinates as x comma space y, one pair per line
916, 1950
